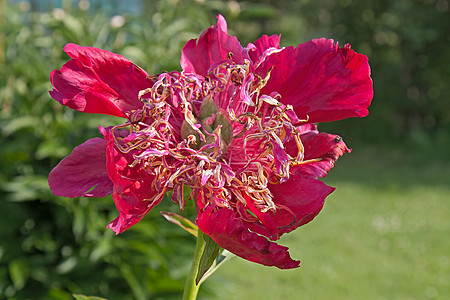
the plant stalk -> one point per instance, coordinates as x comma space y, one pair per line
190, 288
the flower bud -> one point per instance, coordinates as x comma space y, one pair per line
207, 108
227, 128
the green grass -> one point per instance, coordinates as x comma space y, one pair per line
383, 234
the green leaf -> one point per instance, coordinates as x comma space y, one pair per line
25, 188
18, 270
134, 282
19, 123
209, 255
73, 25
50, 149
83, 297
181, 221
224, 256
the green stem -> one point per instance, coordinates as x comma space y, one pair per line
190, 288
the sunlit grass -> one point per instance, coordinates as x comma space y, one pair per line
383, 234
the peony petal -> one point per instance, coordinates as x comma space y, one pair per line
82, 170
266, 225
320, 80
306, 131
133, 198
98, 81
323, 146
300, 199
229, 232
129, 201
262, 44
213, 45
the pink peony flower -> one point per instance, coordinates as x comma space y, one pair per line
236, 126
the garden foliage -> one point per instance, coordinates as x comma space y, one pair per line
51, 247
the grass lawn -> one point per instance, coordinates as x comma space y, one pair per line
383, 234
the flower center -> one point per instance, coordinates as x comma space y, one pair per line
217, 135
214, 123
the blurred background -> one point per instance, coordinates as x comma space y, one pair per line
383, 234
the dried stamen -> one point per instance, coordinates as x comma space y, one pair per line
217, 135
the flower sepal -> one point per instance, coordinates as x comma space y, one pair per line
181, 221
222, 256
209, 256
212, 255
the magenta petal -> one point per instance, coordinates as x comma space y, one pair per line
299, 200
82, 170
133, 198
129, 199
323, 146
98, 81
213, 45
320, 80
262, 44
229, 232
